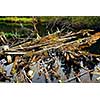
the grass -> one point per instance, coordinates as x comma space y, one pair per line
16, 19
11, 23
29, 19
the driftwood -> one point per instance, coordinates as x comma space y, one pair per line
73, 78
70, 42
15, 53
78, 77
95, 72
46, 46
3, 38
21, 42
31, 47
42, 46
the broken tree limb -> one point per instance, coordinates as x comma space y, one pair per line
95, 72
98, 78
73, 78
31, 47
20, 43
27, 77
15, 53
2, 40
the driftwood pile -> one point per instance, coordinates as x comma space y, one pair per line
70, 41
28, 53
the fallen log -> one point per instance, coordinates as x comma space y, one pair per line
31, 47
46, 48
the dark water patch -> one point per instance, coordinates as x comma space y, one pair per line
95, 48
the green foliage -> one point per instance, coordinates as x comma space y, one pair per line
16, 19
9, 35
9, 24
88, 21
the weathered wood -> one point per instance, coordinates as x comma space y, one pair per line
95, 72
9, 59
52, 47
2, 40
73, 78
26, 76
15, 53
98, 78
49, 44
31, 47
4, 37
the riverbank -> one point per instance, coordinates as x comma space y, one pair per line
50, 23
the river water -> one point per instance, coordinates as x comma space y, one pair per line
36, 79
